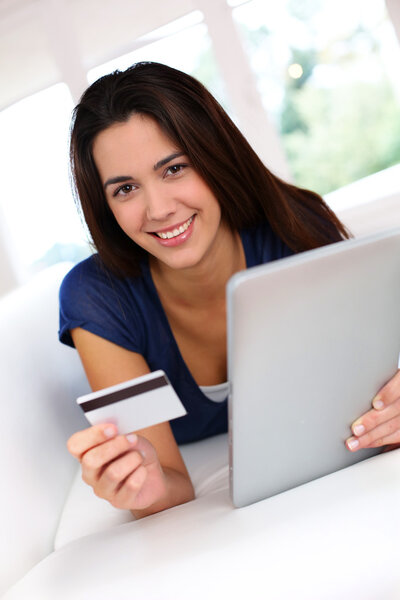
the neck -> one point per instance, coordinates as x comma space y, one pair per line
206, 282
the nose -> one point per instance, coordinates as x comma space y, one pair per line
159, 204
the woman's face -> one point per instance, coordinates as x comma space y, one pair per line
156, 196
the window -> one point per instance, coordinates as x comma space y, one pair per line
36, 198
183, 44
327, 74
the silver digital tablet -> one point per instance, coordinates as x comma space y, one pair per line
311, 339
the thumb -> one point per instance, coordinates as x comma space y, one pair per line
144, 447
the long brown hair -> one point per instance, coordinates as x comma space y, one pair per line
189, 115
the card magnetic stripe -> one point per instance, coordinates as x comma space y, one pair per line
133, 390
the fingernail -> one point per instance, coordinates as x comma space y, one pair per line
377, 403
358, 429
131, 437
352, 444
109, 431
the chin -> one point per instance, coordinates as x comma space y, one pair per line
179, 263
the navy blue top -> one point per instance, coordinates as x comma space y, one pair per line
129, 313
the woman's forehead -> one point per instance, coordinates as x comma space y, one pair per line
140, 139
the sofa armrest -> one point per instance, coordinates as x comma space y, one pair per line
40, 380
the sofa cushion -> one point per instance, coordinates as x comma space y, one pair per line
333, 538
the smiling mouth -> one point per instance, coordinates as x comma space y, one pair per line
167, 235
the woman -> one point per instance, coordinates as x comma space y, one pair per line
176, 201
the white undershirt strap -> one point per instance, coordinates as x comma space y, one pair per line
216, 393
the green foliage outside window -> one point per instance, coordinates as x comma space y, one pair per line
340, 118
336, 136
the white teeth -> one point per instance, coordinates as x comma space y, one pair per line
167, 235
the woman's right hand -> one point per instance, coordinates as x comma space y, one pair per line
123, 469
143, 473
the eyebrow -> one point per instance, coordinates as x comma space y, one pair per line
166, 160
119, 179
160, 163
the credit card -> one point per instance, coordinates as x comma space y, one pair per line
134, 404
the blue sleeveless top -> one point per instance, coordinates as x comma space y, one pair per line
129, 313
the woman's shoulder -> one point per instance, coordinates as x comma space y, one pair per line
93, 298
90, 288
91, 276
88, 267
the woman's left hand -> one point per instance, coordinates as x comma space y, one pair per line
380, 426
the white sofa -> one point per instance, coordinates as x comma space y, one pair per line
334, 538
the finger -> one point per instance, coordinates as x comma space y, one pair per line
131, 488
81, 441
386, 433
114, 475
388, 394
96, 459
373, 418
142, 445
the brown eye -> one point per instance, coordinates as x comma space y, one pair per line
175, 169
125, 189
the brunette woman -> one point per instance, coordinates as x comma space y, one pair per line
176, 202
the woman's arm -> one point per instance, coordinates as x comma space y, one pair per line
143, 472
380, 426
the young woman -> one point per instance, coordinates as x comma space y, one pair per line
176, 201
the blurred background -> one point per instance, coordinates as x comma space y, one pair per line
313, 84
